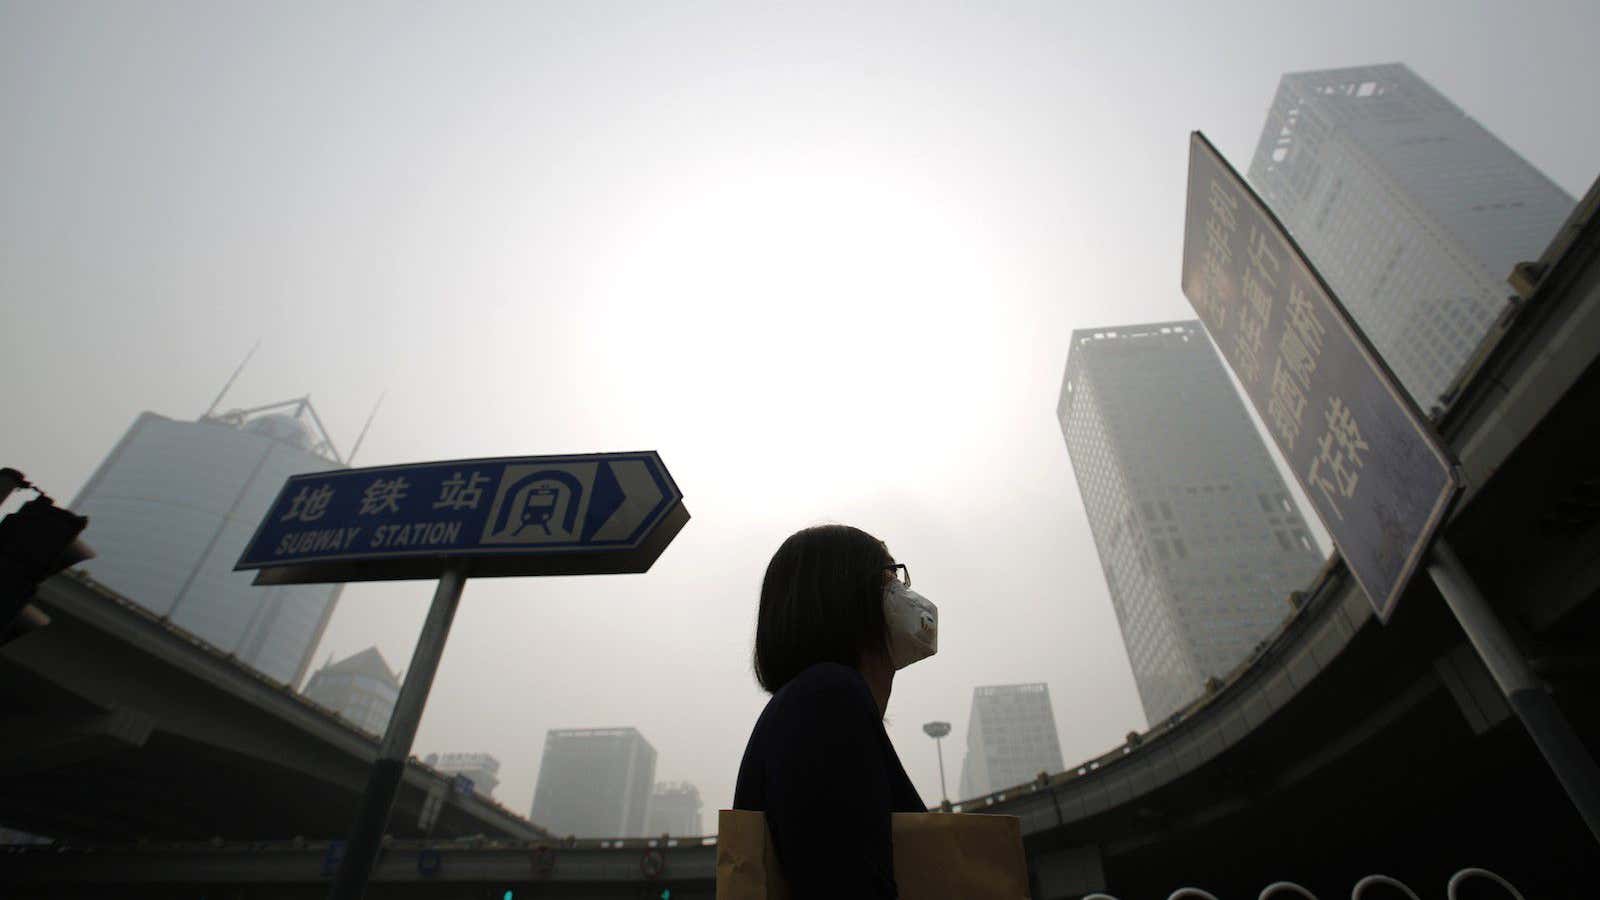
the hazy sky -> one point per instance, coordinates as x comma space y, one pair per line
824, 259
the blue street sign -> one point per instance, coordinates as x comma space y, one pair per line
537, 515
1374, 470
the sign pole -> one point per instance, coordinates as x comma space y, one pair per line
366, 835
1551, 731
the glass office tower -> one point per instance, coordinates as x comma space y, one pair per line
361, 689
595, 782
171, 509
1011, 738
1199, 541
1413, 213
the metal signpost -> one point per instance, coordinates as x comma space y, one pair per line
1376, 473
589, 514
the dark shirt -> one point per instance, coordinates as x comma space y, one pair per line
820, 765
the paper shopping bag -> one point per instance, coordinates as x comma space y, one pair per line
937, 856
959, 856
747, 867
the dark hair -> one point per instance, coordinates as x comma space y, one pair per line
821, 601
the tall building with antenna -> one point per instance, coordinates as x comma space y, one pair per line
173, 505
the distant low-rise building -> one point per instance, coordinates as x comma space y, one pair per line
594, 782
675, 809
481, 769
360, 688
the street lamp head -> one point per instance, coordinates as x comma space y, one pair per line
936, 729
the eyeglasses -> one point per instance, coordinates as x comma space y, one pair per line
901, 573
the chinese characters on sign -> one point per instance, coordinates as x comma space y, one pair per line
501, 508
457, 493
383, 495
1373, 470
1337, 466
309, 504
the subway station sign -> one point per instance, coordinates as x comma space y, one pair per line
534, 515
1374, 470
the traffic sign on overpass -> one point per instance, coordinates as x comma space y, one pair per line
535, 515
1375, 472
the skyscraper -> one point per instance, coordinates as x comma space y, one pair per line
1198, 539
1414, 213
1011, 738
360, 688
172, 507
674, 809
594, 782
482, 769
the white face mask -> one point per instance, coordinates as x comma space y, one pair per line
913, 625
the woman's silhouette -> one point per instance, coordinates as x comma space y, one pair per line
836, 620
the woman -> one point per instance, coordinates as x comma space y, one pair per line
837, 618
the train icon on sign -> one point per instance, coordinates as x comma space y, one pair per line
539, 498
540, 505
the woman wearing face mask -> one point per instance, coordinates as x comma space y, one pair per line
837, 619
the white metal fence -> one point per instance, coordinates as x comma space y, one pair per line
1374, 886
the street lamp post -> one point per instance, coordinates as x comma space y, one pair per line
937, 731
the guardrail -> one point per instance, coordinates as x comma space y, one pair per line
470, 842
1361, 889
295, 867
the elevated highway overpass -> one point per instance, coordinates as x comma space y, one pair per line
121, 728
